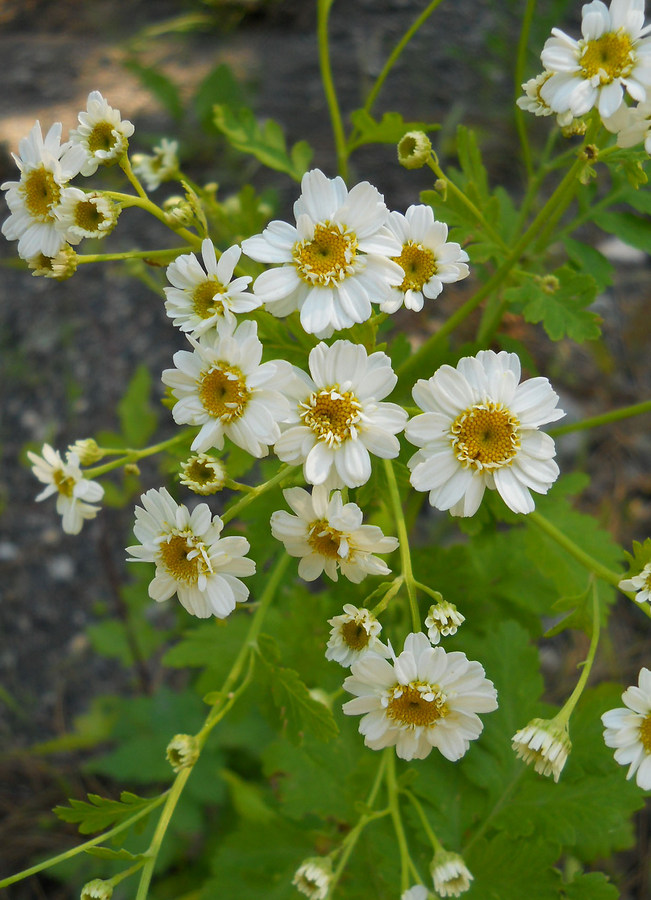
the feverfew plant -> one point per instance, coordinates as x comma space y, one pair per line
419, 464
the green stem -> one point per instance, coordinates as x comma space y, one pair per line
435, 595
128, 200
323, 12
403, 537
394, 805
434, 841
396, 52
125, 165
388, 597
81, 848
131, 456
172, 253
520, 123
615, 415
237, 508
563, 716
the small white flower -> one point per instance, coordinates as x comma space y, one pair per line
614, 55
203, 474
328, 535
85, 215
223, 387
334, 262
417, 892
546, 744
60, 266
429, 261
313, 877
532, 102
628, 730
354, 634
641, 584
480, 430
443, 618
161, 166
192, 560
45, 166
67, 481
102, 134
450, 874
426, 698
340, 421
632, 125
198, 299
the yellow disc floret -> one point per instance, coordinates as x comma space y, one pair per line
332, 415
419, 265
608, 57
329, 257
102, 137
205, 302
417, 704
41, 193
485, 436
325, 540
645, 733
184, 557
223, 392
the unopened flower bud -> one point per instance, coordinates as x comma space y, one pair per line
182, 752
414, 150
203, 474
178, 211
131, 469
450, 874
443, 619
545, 743
87, 450
97, 889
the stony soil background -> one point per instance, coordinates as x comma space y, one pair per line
68, 350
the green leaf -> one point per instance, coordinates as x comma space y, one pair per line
590, 886
248, 799
628, 227
159, 85
101, 813
265, 141
109, 853
219, 86
298, 709
138, 418
559, 302
389, 130
590, 260
505, 869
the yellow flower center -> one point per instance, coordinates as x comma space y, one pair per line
332, 415
417, 704
88, 216
354, 635
41, 193
184, 557
485, 436
324, 539
65, 483
101, 137
204, 302
645, 733
419, 265
610, 57
199, 471
329, 257
223, 392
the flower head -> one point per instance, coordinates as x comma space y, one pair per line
61, 266
198, 299
354, 634
414, 149
45, 166
203, 474
223, 386
97, 889
532, 102
480, 430
192, 560
545, 743
313, 877
334, 262
163, 165
429, 261
340, 420
613, 56
102, 134
66, 480
85, 215
632, 124
182, 752
628, 730
641, 584
450, 874
443, 618
426, 698
327, 534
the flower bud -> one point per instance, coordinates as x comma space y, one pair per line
450, 874
414, 150
61, 266
313, 877
545, 743
87, 451
443, 619
182, 752
97, 889
203, 474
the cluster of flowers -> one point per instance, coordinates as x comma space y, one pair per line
610, 61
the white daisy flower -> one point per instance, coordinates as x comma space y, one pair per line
480, 430
334, 262
198, 299
426, 698
192, 560
641, 584
223, 387
60, 266
614, 55
444, 619
429, 261
354, 634
340, 419
328, 535
102, 134
632, 125
417, 892
203, 474
313, 877
85, 215
544, 743
45, 166
75, 494
163, 165
628, 730
532, 102
450, 874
